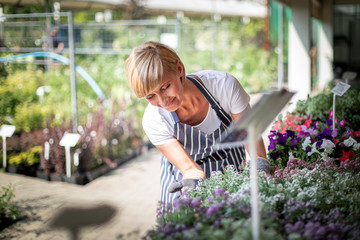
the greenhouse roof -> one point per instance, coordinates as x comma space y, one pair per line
226, 8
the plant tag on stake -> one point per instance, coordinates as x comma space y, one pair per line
67, 141
6, 131
339, 90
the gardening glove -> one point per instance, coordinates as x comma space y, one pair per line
263, 165
185, 185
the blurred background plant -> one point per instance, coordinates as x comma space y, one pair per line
36, 98
9, 212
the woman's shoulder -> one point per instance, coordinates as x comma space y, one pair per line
215, 78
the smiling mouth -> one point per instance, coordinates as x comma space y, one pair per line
170, 103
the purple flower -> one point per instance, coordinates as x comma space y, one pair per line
295, 142
196, 202
329, 122
334, 133
246, 191
213, 209
290, 133
219, 191
274, 155
315, 125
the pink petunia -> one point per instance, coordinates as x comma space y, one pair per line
307, 123
342, 123
331, 114
277, 125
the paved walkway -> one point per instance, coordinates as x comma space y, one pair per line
133, 190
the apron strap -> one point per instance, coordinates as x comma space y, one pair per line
224, 116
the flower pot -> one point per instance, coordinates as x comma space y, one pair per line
77, 178
40, 174
97, 172
24, 170
56, 177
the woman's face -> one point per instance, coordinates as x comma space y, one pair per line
169, 94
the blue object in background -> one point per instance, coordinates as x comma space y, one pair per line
64, 60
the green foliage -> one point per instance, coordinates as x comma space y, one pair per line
8, 210
28, 158
318, 107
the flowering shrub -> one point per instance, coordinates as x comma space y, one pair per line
317, 201
28, 158
297, 137
312, 193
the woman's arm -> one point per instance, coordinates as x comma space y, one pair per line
177, 156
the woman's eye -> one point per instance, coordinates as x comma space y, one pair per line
149, 97
166, 87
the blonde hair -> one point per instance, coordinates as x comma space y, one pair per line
147, 64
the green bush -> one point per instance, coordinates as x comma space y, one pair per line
8, 210
318, 107
28, 158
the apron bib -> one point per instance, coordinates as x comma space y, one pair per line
199, 146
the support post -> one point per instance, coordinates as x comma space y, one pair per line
255, 218
4, 151
72, 71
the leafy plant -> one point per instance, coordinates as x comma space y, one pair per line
27, 158
319, 106
316, 200
9, 212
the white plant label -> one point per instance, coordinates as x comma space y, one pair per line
340, 88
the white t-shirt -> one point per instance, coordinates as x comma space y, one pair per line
226, 89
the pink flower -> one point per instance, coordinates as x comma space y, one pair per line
331, 115
342, 123
307, 123
297, 128
277, 125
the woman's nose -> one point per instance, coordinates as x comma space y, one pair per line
161, 100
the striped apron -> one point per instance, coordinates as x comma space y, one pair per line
199, 146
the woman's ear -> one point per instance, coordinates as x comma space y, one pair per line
180, 67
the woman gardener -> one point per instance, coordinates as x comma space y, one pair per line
185, 115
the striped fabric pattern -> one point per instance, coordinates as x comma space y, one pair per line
199, 146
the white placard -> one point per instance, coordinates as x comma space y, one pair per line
69, 139
7, 130
169, 39
46, 150
340, 88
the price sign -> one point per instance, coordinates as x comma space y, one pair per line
7, 130
69, 139
340, 88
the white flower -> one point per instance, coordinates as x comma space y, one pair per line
325, 157
306, 142
291, 156
349, 142
328, 146
356, 146
313, 149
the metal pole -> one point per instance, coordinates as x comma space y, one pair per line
334, 111
255, 219
4, 151
68, 161
280, 49
72, 71
179, 16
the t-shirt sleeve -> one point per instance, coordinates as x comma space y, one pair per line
156, 126
238, 99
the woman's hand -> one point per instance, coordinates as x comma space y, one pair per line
192, 173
